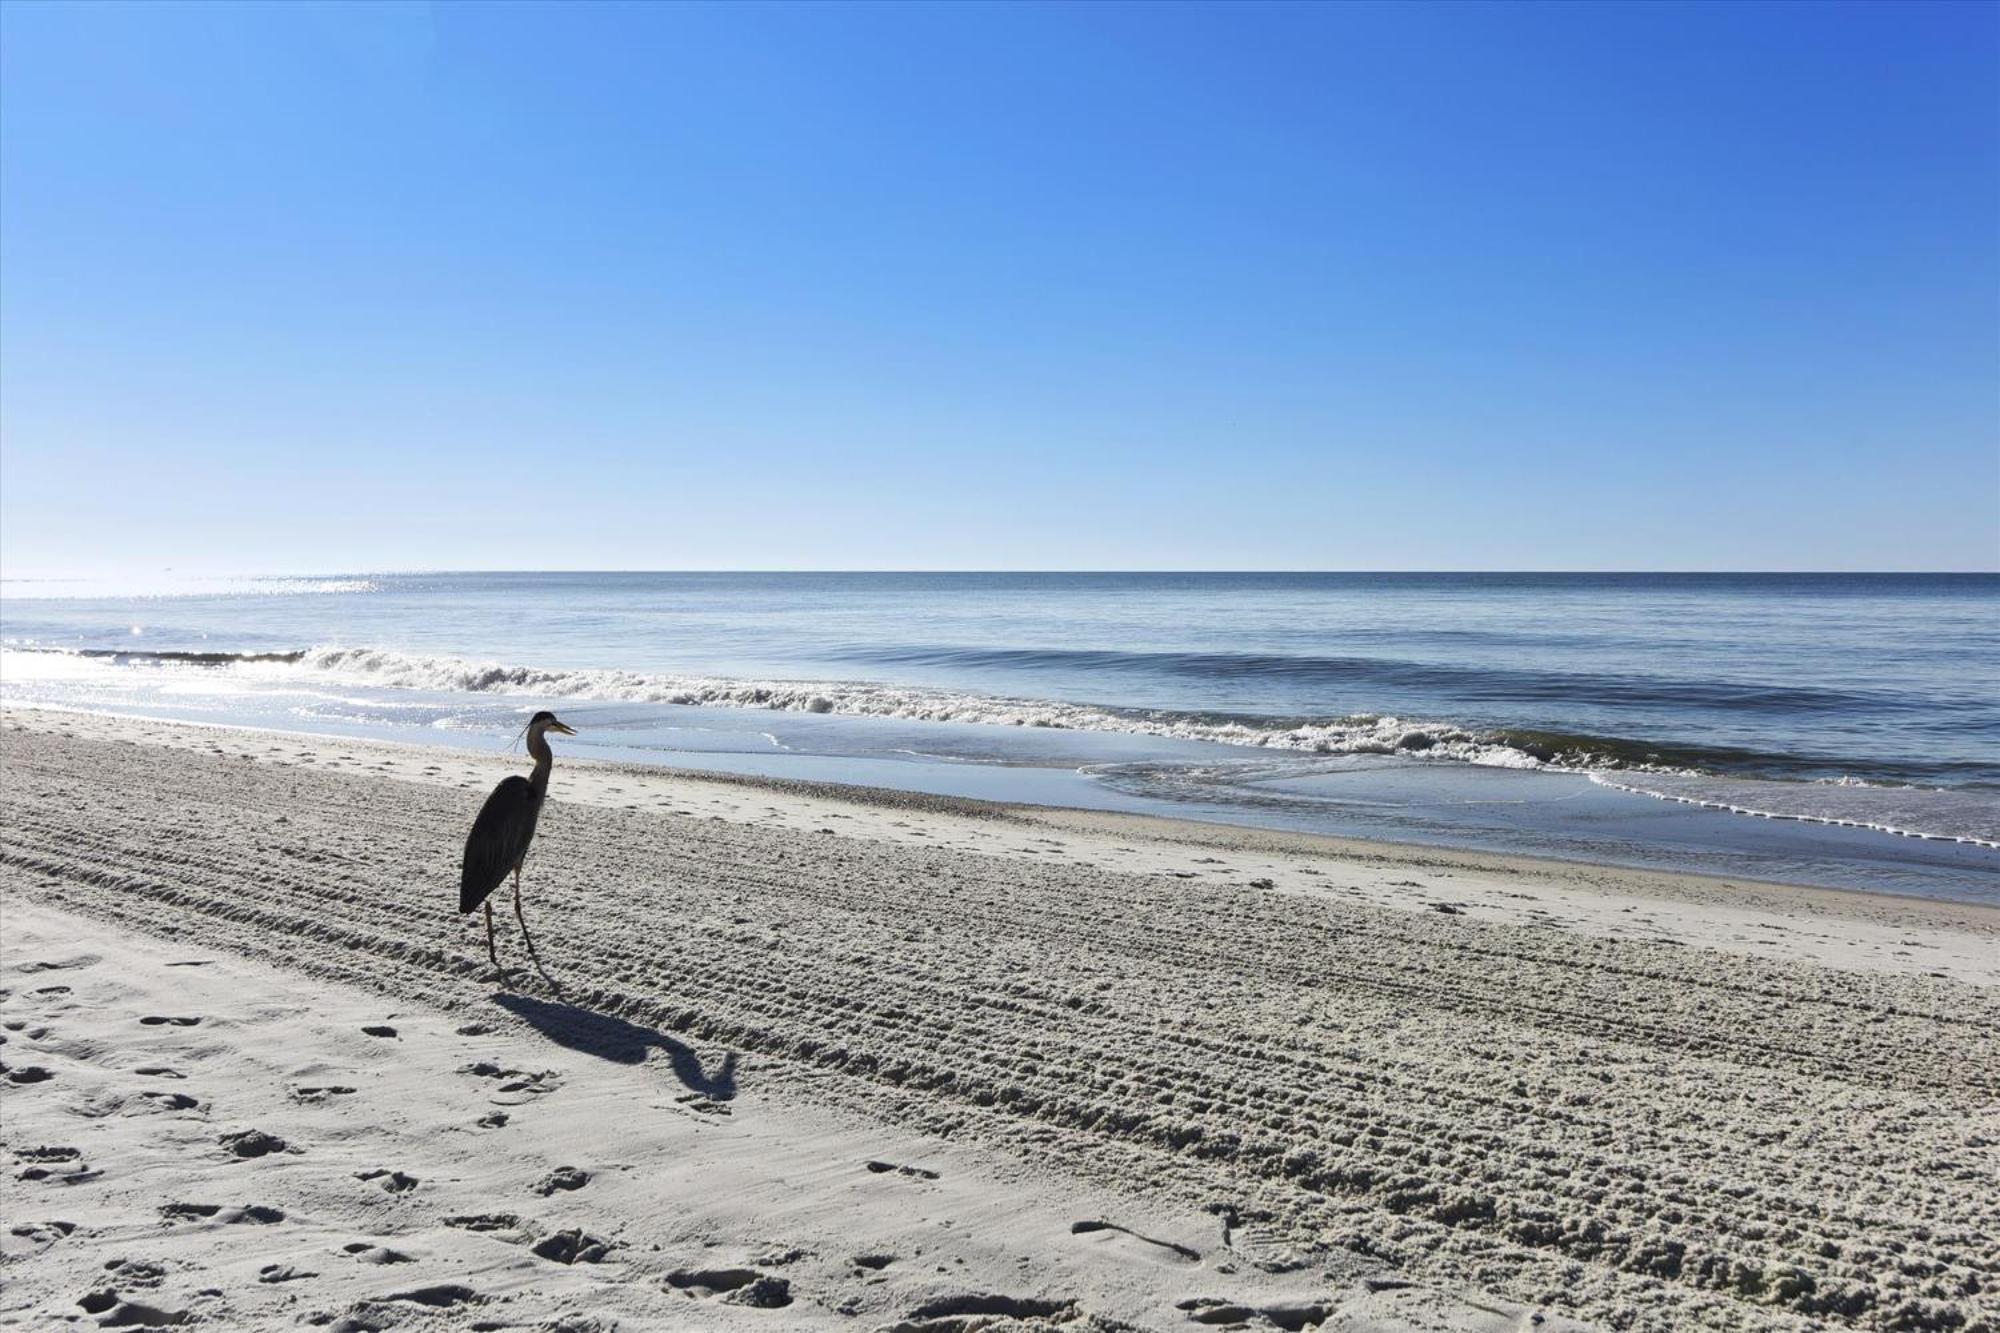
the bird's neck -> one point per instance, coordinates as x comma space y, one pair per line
544, 757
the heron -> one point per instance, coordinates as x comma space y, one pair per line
500, 836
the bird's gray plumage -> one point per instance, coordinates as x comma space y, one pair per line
499, 839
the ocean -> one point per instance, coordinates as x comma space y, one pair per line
1841, 730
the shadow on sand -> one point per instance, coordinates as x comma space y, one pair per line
621, 1042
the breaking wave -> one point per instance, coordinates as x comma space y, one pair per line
1361, 734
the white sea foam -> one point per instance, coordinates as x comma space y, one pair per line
1915, 812
1355, 735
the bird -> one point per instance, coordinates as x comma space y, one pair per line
500, 836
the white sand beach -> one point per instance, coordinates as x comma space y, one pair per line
834, 1058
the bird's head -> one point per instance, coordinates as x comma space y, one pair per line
546, 721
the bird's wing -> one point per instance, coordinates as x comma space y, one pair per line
498, 840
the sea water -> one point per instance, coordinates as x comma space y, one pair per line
1669, 720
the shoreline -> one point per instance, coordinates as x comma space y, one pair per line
1803, 828
1488, 1086
864, 793
1609, 778
1595, 877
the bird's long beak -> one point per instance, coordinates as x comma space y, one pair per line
564, 728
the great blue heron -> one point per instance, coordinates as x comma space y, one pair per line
500, 837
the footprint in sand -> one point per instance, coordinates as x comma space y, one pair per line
562, 1178
395, 1182
254, 1143
379, 1030
282, 1273
321, 1093
950, 1313
375, 1254
26, 1074
171, 1101
377, 1312
734, 1286
254, 1212
81, 960
918, 1172
48, 1154
43, 1233
135, 1272
69, 1172
779, 1258
515, 1085
574, 1246
501, 1226
159, 1071
157, 1020
441, 1296
106, 1302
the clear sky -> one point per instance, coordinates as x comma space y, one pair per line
299, 288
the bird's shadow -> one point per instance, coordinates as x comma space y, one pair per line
620, 1042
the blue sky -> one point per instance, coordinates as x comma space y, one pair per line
315, 288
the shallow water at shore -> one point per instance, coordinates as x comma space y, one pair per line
1562, 815
1633, 719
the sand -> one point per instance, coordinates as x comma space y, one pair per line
836, 1059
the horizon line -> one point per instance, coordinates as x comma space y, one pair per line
968, 570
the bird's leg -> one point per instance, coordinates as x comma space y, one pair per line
491, 952
518, 916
